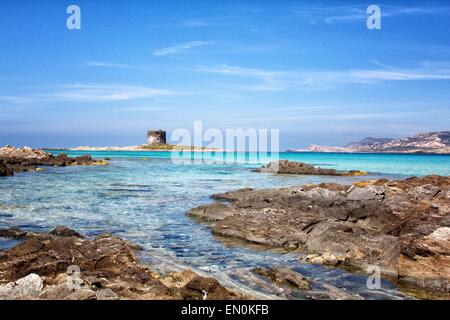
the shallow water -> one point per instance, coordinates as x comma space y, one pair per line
144, 196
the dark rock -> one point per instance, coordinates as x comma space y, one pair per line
5, 170
401, 226
26, 159
12, 233
63, 231
108, 269
290, 167
201, 288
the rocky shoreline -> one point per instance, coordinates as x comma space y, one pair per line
26, 159
402, 227
64, 265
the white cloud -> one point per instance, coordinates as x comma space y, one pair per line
107, 64
95, 93
195, 23
274, 80
180, 47
14, 99
349, 13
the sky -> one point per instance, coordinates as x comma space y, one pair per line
311, 69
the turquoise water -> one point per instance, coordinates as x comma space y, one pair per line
143, 197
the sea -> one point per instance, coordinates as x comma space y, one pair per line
144, 196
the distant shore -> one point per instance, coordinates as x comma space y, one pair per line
156, 148
170, 148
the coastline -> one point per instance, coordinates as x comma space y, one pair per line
204, 149
272, 271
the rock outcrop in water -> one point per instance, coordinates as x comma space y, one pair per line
402, 226
26, 159
292, 167
62, 264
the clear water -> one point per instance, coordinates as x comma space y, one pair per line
143, 197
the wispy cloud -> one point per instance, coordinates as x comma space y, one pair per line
96, 93
273, 80
104, 64
145, 108
192, 23
349, 13
14, 99
180, 47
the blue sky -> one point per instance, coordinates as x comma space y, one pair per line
309, 68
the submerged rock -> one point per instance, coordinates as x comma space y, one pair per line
291, 167
400, 226
75, 268
284, 277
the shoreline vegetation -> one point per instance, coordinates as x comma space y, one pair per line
400, 226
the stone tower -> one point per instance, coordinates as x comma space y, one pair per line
156, 137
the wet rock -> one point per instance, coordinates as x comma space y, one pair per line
63, 231
285, 277
292, 167
5, 170
401, 226
13, 233
201, 288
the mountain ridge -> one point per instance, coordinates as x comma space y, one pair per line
435, 142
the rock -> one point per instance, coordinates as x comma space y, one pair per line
326, 259
106, 294
26, 159
367, 193
63, 231
82, 294
285, 277
400, 226
201, 288
291, 167
13, 233
4, 170
25, 288
56, 292
101, 268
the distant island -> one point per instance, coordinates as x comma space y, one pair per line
427, 142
